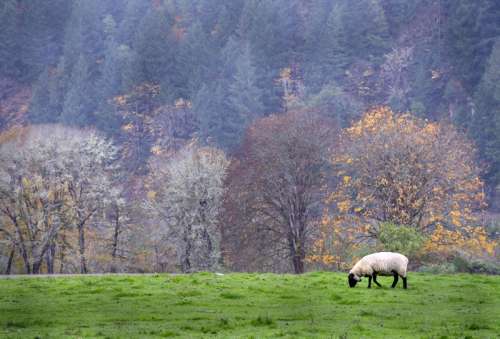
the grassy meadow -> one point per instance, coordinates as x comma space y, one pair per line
313, 305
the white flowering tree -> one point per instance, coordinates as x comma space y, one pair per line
189, 201
52, 177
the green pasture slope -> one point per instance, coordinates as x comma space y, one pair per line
314, 305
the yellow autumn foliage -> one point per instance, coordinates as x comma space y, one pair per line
402, 169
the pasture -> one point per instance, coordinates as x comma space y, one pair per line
313, 305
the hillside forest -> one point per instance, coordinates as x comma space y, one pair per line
248, 135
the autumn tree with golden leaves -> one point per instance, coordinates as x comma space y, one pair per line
401, 169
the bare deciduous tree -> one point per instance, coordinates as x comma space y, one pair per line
276, 187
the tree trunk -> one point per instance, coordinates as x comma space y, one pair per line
298, 264
11, 259
49, 258
62, 251
114, 245
22, 246
37, 265
81, 243
185, 262
296, 244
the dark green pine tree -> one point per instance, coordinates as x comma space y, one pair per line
135, 10
462, 36
79, 103
228, 19
8, 38
41, 38
318, 15
113, 80
198, 58
45, 105
260, 25
245, 96
399, 13
85, 35
227, 106
152, 46
485, 125
331, 54
366, 28
211, 109
39, 111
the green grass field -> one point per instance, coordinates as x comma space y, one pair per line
314, 305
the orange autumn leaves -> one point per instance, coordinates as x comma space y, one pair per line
402, 169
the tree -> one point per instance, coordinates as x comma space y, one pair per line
331, 53
46, 102
115, 79
154, 46
275, 188
53, 178
226, 108
367, 31
401, 169
8, 44
245, 96
485, 124
190, 202
31, 195
89, 182
134, 11
197, 58
78, 106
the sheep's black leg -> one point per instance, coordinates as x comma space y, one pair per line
395, 279
375, 280
404, 282
369, 281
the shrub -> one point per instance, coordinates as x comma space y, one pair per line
399, 238
475, 265
444, 268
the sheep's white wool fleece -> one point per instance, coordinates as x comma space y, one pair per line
383, 263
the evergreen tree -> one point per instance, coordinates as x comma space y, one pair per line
485, 125
245, 97
117, 60
209, 105
331, 54
135, 10
153, 47
41, 39
367, 30
399, 13
79, 103
260, 26
198, 57
47, 99
462, 40
40, 102
8, 38
226, 107
84, 35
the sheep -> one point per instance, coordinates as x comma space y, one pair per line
381, 263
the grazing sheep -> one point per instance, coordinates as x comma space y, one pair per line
381, 263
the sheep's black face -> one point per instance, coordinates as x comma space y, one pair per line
352, 280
